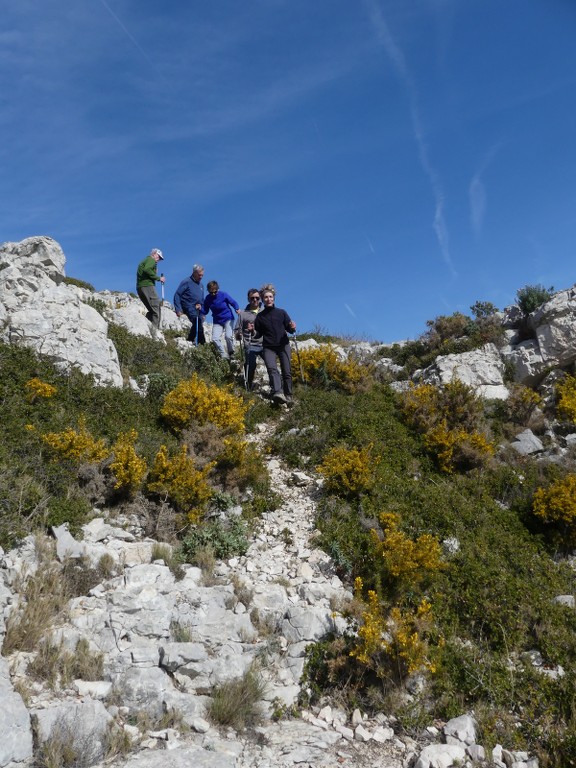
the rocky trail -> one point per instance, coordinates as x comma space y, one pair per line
260, 611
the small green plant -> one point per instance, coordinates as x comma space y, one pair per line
226, 539
236, 703
530, 297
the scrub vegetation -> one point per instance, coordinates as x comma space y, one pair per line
455, 548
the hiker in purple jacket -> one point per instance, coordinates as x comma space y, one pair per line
222, 306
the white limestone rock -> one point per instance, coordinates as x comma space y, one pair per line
482, 369
15, 727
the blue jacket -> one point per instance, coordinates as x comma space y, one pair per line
221, 304
188, 294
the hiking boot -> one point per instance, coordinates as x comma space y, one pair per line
289, 401
279, 397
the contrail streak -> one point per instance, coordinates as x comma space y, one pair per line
126, 32
399, 63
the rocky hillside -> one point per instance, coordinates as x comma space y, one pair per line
380, 576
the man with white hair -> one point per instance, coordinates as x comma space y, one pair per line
188, 301
146, 278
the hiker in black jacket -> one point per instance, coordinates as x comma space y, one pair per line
273, 323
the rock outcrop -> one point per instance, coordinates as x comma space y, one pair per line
38, 310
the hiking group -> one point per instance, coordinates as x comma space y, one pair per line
261, 328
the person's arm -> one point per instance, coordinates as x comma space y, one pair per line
178, 300
289, 324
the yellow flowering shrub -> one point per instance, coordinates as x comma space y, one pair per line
37, 388
348, 471
448, 418
404, 558
522, 403
128, 468
457, 448
566, 394
420, 405
395, 644
195, 400
176, 478
321, 366
240, 464
424, 405
77, 445
557, 503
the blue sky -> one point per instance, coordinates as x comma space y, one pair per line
381, 162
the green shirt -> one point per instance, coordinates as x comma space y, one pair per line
146, 274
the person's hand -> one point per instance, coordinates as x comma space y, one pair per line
292, 326
178, 314
250, 326
162, 279
198, 306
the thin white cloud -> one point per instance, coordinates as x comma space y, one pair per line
369, 243
477, 192
128, 34
350, 310
398, 60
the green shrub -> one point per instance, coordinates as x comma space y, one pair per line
227, 539
530, 297
78, 283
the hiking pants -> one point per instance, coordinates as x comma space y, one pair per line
252, 355
151, 301
283, 354
197, 328
219, 330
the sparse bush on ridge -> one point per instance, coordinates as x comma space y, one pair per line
530, 297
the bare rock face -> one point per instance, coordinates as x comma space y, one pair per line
481, 369
553, 342
38, 310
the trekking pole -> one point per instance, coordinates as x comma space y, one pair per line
244, 359
299, 358
162, 284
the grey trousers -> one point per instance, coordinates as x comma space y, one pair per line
283, 353
151, 301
